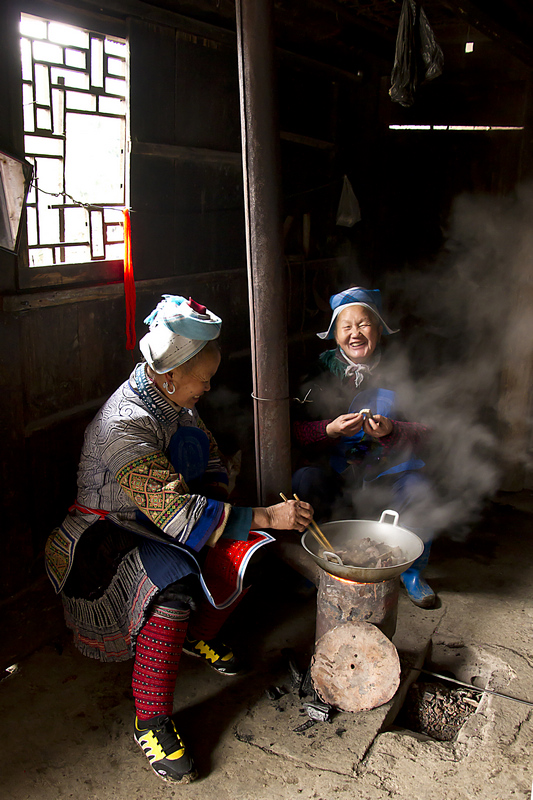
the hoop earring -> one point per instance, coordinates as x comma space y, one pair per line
165, 386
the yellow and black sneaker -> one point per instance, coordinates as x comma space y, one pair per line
164, 749
218, 655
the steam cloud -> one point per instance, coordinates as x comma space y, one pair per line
465, 333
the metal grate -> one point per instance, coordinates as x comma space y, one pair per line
75, 87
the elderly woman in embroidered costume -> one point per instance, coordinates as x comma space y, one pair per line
150, 560
349, 431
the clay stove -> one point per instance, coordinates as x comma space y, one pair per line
340, 601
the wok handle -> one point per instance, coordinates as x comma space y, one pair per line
392, 514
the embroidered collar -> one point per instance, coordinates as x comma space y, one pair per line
152, 398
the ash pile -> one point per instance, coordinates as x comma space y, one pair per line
437, 710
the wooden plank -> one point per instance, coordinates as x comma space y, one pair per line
16, 554
310, 65
66, 274
153, 82
162, 16
188, 199
349, 14
50, 359
100, 19
104, 360
177, 152
17, 303
207, 32
52, 458
308, 141
65, 414
206, 95
189, 217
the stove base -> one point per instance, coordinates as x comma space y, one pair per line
340, 601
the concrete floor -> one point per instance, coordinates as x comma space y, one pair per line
67, 721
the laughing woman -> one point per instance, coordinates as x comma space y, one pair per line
349, 433
150, 559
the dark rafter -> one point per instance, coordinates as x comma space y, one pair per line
508, 23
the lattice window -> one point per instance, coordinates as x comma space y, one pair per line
75, 88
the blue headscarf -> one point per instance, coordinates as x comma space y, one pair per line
355, 296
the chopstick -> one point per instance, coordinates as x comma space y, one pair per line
321, 534
313, 527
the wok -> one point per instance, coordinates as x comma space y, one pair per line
342, 533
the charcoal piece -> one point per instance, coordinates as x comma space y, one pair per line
305, 726
306, 686
319, 711
296, 674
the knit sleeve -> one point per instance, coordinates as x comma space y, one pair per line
412, 435
311, 432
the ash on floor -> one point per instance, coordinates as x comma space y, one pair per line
437, 710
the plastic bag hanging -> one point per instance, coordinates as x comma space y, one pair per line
418, 57
348, 211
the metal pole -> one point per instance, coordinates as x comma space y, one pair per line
264, 244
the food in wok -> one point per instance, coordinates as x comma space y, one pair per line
345, 535
371, 554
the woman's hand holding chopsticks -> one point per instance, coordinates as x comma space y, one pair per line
315, 530
290, 515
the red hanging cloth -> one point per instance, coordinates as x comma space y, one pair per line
129, 284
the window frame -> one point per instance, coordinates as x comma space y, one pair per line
91, 272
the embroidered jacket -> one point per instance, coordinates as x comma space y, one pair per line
326, 394
125, 475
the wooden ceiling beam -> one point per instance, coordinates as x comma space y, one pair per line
350, 15
493, 20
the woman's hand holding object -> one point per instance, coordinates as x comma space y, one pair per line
377, 426
345, 425
292, 515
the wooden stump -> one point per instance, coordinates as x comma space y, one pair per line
355, 667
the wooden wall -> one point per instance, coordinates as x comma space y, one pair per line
63, 342
62, 348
